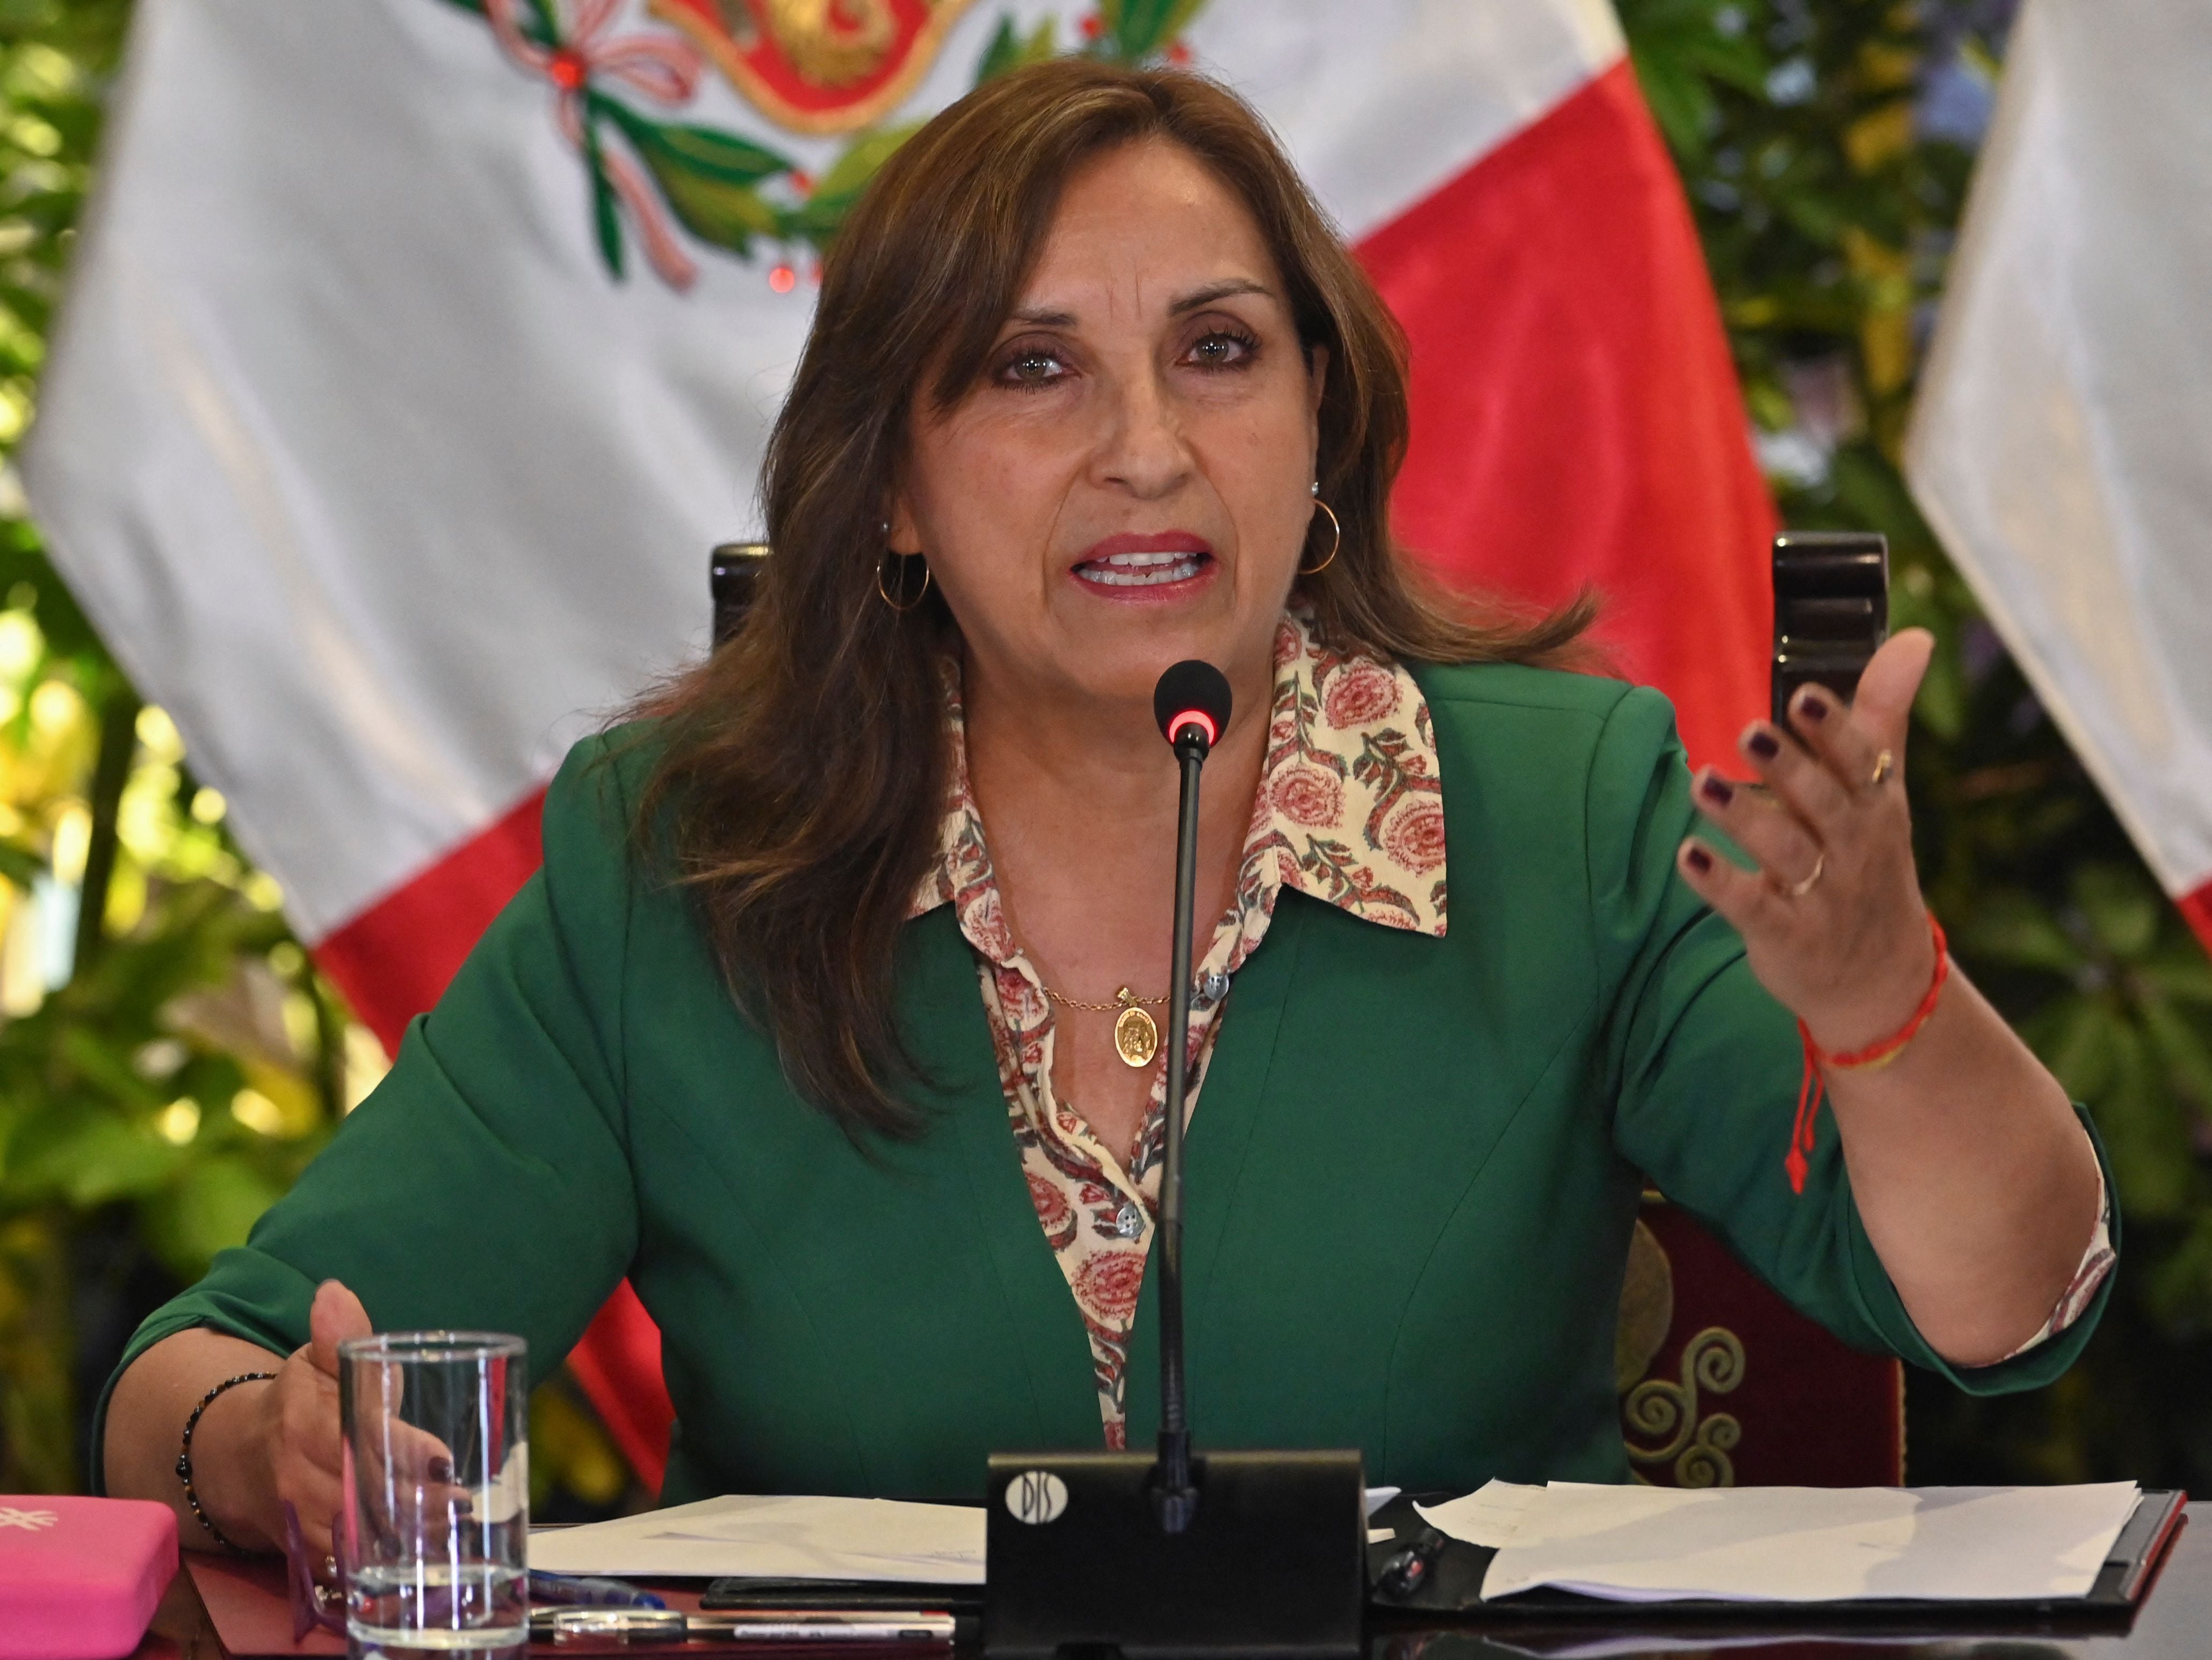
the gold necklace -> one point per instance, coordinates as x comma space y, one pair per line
1136, 1039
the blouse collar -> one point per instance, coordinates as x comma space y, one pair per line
1349, 811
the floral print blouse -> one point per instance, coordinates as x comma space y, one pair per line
1349, 811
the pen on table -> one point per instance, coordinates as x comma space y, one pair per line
589, 1590
834, 1626
827, 1625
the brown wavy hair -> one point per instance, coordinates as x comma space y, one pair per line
802, 768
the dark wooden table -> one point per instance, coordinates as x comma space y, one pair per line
2174, 1623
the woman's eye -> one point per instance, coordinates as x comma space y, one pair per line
1222, 350
1035, 367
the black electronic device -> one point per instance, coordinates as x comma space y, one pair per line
1270, 1563
1220, 1554
1831, 611
732, 573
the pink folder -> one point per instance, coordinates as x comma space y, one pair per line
79, 1577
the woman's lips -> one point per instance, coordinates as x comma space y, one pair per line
1128, 560
1142, 570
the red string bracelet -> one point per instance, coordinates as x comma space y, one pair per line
1814, 1088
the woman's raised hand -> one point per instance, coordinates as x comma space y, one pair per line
1977, 1185
1832, 917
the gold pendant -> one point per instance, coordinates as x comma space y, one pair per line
1136, 1039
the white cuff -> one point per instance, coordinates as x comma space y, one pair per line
2096, 1263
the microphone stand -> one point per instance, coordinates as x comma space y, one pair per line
1111, 1553
1175, 1499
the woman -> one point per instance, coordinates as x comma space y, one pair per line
809, 1025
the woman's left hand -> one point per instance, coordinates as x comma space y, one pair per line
1832, 917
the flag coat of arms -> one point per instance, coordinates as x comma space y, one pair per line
417, 352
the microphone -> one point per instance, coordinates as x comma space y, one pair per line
1191, 703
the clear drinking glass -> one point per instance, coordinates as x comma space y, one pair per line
436, 1520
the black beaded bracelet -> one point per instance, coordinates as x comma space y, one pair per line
185, 1457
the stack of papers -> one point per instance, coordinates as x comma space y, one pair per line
777, 1538
1626, 1543
1792, 1544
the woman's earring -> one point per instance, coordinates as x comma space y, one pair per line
889, 555
1336, 538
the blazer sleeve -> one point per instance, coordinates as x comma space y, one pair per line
485, 1184
1704, 1067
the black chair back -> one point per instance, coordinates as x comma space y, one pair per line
733, 571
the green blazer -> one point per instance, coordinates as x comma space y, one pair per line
1412, 1173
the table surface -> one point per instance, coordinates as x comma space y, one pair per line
2174, 1622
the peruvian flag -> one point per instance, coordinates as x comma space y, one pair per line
2062, 443
417, 352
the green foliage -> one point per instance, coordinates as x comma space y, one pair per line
55, 56
1011, 49
815, 220
575, 1474
1827, 208
176, 1082
707, 178
53, 59
88, 1082
1131, 31
607, 212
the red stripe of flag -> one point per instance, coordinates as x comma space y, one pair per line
1577, 416
395, 959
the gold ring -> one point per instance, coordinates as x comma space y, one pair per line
1798, 890
1884, 764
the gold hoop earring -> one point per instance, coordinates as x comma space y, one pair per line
920, 594
1336, 540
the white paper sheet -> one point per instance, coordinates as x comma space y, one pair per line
1491, 1515
1797, 1544
794, 1538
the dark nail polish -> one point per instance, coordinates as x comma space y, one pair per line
1700, 860
1763, 745
1716, 789
1813, 706
442, 1469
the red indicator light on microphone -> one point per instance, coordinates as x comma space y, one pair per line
1199, 718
